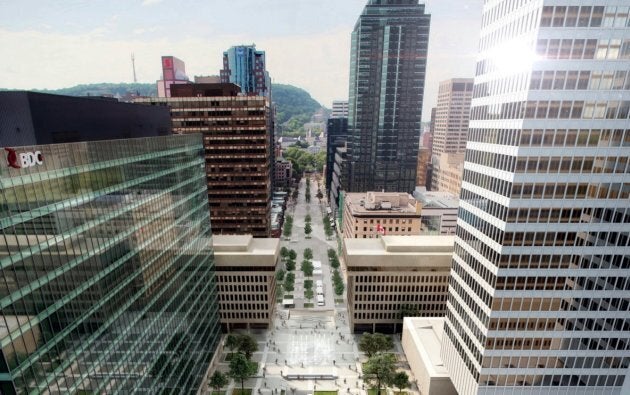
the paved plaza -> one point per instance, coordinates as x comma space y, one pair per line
307, 343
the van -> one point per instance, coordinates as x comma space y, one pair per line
320, 300
319, 290
319, 283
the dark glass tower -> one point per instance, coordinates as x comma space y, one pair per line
108, 283
387, 70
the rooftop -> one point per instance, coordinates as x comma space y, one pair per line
239, 250
400, 251
382, 204
437, 199
427, 338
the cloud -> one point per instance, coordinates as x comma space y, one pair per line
150, 2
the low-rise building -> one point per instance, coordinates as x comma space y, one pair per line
439, 212
245, 269
421, 342
391, 277
366, 215
283, 170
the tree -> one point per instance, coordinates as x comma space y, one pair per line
375, 343
331, 253
241, 369
379, 370
247, 345
289, 282
308, 253
218, 380
400, 381
308, 284
307, 268
308, 294
334, 262
408, 310
284, 253
320, 195
280, 275
292, 254
231, 341
307, 229
339, 288
290, 265
307, 218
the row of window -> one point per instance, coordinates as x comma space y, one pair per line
536, 261
509, 28
583, 48
557, 380
572, 164
555, 109
585, 16
570, 191
575, 137
240, 314
580, 80
242, 297
395, 315
401, 297
239, 287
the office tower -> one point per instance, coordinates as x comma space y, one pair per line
30, 118
424, 158
539, 288
339, 109
173, 72
451, 116
387, 69
336, 136
108, 283
237, 136
244, 66
339, 174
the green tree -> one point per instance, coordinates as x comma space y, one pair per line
400, 381
379, 371
218, 380
308, 294
334, 262
372, 344
231, 341
407, 310
243, 343
307, 229
241, 369
284, 253
320, 195
289, 282
292, 254
339, 288
307, 218
290, 265
280, 275
331, 253
308, 253
308, 284
307, 268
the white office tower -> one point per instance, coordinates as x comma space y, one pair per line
540, 287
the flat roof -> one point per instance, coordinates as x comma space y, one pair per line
433, 244
245, 250
440, 199
426, 334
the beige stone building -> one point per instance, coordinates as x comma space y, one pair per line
367, 215
447, 173
246, 268
392, 276
421, 342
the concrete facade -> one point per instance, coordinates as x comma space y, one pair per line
366, 215
439, 212
393, 276
246, 278
421, 342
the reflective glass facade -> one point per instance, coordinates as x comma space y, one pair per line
387, 69
108, 282
245, 66
539, 290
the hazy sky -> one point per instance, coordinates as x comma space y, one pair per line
56, 44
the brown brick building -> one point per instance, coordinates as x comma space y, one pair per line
237, 134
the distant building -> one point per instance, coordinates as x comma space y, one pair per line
108, 278
451, 116
245, 66
173, 73
391, 277
448, 170
339, 109
237, 135
283, 173
336, 136
421, 343
30, 118
246, 278
424, 159
439, 211
368, 215
387, 72
336, 186
207, 79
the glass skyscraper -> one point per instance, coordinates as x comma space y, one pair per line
539, 292
245, 66
387, 70
108, 282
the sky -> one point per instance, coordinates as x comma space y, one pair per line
62, 43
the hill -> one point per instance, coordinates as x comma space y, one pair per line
117, 90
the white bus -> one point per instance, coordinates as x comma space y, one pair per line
320, 300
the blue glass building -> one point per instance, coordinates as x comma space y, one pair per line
108, 282
244, 66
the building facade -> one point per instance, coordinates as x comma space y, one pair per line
447, 173
245, 66
336, 186
336, 136
538, 298
173, 73
392, 277
339, 109
237, 136
368, 215
439, 212
108, 283
283, 173
424, 158
387, 70
246, 278
451, 116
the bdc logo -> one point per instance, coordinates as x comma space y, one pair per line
24, 159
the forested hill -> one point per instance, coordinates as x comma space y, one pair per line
293, 104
